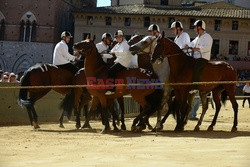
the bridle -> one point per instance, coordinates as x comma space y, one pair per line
161, 57
141, 51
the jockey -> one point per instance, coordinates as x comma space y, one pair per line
182, 38
201, 46
154, 30
121, 51
103, 47
61, 57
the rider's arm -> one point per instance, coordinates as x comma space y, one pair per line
206, 44
65, 53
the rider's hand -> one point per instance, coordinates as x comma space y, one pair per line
196, 49
186, 47
76, 52
76, 59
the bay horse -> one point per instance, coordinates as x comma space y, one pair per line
181, 71
48, 75
95, 68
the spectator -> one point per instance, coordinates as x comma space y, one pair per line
246, 92
5, 78
13, 78
1, 73
196, 105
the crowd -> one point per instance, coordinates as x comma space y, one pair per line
8, 77
234, 58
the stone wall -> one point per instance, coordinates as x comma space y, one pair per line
19, 56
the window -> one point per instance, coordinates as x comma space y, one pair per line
146, 21
191, 25
33, 32
108, 21
28, 27
215, 49
28, 31
170, 21
248, 51
2, 29
90, 20
164, 2
217, 25
127, 22
235, 25
233, 47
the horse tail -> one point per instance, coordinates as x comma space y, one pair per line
67, 104
223, 97
23, 93
155, 100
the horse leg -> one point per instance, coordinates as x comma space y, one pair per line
35, 119
146, 121
94, 104
114, 116
204, 102
216, 97
169, 110
180, 113
121, 103
77, 109
235, 108
104, 114
30, 114
61, 120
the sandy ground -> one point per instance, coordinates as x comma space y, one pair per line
21, 146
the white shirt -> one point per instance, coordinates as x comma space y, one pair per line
182, 40
101, 47
246, 89
121, 50
61, 54
204, 42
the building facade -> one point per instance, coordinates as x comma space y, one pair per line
242, 3
146, 2
227, 24
30, 29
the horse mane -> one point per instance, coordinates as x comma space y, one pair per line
180, 51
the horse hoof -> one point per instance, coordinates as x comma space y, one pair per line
210, 128
150, 127
234, 129
78, 126
36, 126
178, 129
61, 126
157, 129
133, 128
123, 127
118, 123
197, 128
105, 131
86, 126
117, 130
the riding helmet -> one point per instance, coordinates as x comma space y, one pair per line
66, 34
200, 23
154, 27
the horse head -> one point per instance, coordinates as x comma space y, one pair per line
144, 46
135, 38
85, 47
165, 48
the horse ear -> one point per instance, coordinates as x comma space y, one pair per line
163, 34
94, 37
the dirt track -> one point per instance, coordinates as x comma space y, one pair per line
52, 146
